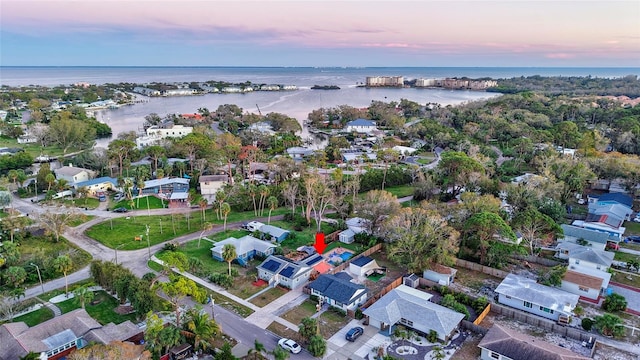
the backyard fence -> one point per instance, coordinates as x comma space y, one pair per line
397, 282
481, 268
468, 325
345, 264
548, 325
539, 260
482, 315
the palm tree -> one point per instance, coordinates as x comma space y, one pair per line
205, 227
272, 201
221, 196
202, 328
252, 192
169, 337
50, 179
280, 353
264, 192
228, 254
61, 184
203, 203
82, 193
63, 264
84, 295
13, 175
258, 348
140, 185
225, 209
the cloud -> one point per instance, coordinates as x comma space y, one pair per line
559, 56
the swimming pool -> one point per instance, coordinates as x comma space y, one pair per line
336, 259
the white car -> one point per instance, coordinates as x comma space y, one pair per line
289, 345
637, 218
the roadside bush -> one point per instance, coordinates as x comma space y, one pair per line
170, 246
480, 304
614, 303
221, 279
587, 324
359, 315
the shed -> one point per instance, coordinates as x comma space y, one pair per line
347, 236
412, 280
441, 274
362, 265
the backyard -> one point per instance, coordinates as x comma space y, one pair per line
102, 308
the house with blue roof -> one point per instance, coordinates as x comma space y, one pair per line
278, 270
596, 239
610, 199
98, 184
361, 126
247, 247
339, 291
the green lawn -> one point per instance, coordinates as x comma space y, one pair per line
400, 191
81, 220
41, 251
87, 202
300, 238
126, 229
633, 228
103, 311
35, 317
141, 203
34, 149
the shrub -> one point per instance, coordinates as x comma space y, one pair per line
359, 315
170, 246
221, 279
480, 304
614, 302
432, 337
587, 324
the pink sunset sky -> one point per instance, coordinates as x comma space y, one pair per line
320, 33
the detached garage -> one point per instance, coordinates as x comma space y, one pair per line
363, 266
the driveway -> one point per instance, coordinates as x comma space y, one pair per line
338, 348
632, 296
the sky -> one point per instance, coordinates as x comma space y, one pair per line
349, 33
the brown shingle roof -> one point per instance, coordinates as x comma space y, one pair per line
518, 346
591, 282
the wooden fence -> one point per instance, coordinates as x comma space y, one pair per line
345, 264
397, 282
539, 260
482, 315
546, 324
481, 268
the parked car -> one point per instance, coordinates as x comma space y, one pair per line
118, 196
120, 210
634, 238
354, 333
637, 218
289, 345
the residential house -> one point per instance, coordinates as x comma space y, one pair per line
587, 274
278, 270
247, 247
274, 233
210, 184
165, 186
357, 156
299, 153
404, 150
609, 199
354, 226
620, 211
604, 223
527, 295
594, 238
440, 274
146, 91
156, 133
338, 291
56, 338
361, 126
104, 183
73, 174
413, 309
501, 343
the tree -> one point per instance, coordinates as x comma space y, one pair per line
225, 353
56, 223
155, 152
317, 345
279, 353
202, 328
82, 192
177, 289
121, 150
535, 225
253, 189
308, 328
272, 202
50, 179
455, 168
480, 232
70, 133
14, 276
152, 333
84, 295
225, 209
169, 337
614, 302
375, 207
203, 203
258, 349
63, 264
319, 197
13, 224
609, 325
419, 238
205, 227
264, 192
290, 192
229, 254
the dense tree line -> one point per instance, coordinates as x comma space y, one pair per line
571, 85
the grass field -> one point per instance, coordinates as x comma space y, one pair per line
633, 228
35, 317
86, 202
34, 149
102, 311
126, 229
81, 220
141, 203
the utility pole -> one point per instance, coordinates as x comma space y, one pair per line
148, 243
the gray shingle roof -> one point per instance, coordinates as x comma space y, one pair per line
527, 289
582, 233
338, 289
518, 346
411, 304
243, 245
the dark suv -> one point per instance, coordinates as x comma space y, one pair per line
354, 333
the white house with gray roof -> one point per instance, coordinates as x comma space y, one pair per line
595, 239
527, 295
412, 308
73, 174
247, 247
590, 267
278, 270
